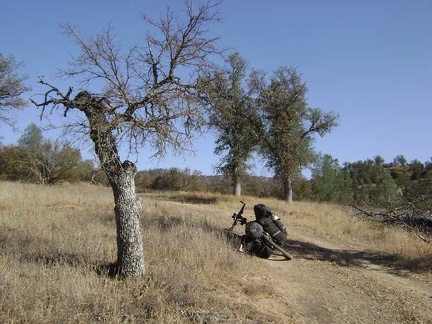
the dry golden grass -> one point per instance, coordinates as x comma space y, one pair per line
55, 241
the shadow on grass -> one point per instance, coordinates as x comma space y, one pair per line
106, 269
58, 258
191, 198
19, 243
195, 199
394, 264
31, 249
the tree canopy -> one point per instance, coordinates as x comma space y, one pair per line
234, 117
11, 88
289, 124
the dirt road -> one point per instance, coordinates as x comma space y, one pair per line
328, 283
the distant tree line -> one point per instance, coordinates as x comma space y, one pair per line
374, 182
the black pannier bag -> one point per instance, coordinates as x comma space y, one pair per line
252, 242
261, 211
271, 223
254, 230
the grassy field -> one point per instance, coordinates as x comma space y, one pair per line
56, 242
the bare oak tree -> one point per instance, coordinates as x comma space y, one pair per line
149, 96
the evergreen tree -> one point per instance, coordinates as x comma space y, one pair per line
32, 138
372, 182
330, 182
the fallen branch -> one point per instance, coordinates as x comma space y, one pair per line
414, 216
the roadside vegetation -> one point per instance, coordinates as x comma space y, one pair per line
57, 242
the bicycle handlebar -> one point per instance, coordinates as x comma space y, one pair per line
238, 217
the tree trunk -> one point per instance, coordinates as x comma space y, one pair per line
236, 185
288, 192
237, 189
130, 256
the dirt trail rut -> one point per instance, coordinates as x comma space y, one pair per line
327, 283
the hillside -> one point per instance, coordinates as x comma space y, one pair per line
56, 242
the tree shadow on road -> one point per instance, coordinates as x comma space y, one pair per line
354, 258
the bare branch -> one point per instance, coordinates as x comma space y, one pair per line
149, 93
411, 216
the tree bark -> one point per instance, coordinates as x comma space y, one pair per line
237, 188
288, 191
130, 255
236, 184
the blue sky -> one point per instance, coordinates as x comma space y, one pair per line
369, 60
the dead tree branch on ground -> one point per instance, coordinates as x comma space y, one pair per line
414, 216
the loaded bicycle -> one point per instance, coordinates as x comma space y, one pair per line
262, 236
